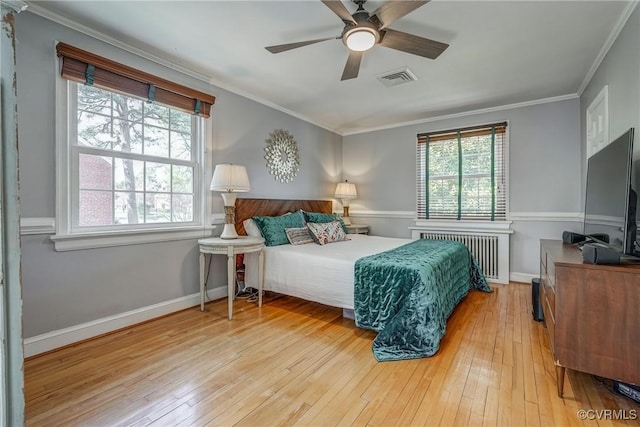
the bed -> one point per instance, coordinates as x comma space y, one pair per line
405, 290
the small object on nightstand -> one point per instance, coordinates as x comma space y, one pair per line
358, 229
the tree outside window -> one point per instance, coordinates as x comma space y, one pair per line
135, 161
461, 174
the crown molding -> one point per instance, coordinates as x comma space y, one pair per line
469, 113
613, 36
64, 21
16, 6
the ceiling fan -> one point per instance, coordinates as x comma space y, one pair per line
362, 31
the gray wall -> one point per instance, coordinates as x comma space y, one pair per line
620, 70
544, 173
63, 289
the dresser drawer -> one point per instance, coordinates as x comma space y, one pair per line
550, 322
551, 274
549, 293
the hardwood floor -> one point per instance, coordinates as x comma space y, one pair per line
293, 362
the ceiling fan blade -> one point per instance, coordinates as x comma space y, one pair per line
339, 9
393, 10
352, 67
284, 47
412, 44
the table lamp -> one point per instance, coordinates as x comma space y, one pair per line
346, 191
230, 179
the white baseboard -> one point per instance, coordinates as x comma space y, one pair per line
522, 277
62, 337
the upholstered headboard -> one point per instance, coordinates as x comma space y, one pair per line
248, 208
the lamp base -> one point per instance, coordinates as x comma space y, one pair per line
345, 213
229, 232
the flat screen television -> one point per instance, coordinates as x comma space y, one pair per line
610, 201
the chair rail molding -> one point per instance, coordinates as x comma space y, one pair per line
37, 225
551, 216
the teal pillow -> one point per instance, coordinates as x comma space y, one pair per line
273, 228
323, 218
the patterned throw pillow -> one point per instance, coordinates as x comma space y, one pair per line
299, 236
273, 227
327, 232
321, 218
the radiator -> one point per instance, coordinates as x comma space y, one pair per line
484, 249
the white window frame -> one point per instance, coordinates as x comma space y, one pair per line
67, 238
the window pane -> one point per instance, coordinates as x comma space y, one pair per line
128, 174
180, 121
94, 130
94, 172
182, 208
443, 158
127, 108
156, 141
127, 136
158, 177
129, 208
476, 195
182, 179
475, 192
158, 208
156, 115
132, 188
443, 196
94, 100
95, 208
180, 145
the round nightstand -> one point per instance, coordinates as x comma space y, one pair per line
231, 247
358, 229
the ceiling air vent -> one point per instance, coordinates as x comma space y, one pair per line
397, 77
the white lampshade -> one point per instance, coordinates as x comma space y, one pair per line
346, 190
230, 178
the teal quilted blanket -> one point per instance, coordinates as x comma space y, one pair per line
406, 295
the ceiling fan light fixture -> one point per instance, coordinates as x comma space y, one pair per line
361, 39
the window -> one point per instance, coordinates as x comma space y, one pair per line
127, 164
461, 174
133, 162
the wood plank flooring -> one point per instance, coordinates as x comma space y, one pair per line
297, 363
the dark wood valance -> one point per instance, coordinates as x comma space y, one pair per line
85, 67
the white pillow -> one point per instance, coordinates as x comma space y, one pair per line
251, 228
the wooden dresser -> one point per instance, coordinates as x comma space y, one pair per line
592, 313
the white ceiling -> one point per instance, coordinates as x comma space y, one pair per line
500, 53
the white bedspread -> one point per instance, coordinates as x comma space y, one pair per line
317, 273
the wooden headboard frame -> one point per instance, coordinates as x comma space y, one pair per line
248, 208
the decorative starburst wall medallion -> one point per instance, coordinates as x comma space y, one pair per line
282, 155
